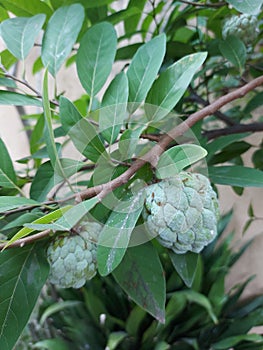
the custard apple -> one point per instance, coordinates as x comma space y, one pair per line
243, 26
72, 258
182, 212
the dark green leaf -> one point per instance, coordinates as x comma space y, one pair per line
16, 99
60, 36
170, 86
234, 50
251, 7
115, 338
46, 178
115, 235
185, 265
20, 33
254, 103
143, 70
232, 341
113, 111
131, 23
51, 344
26, 8
221, 142
82, 133
175, 159
23, 272
95, 57
141, 276
236, 176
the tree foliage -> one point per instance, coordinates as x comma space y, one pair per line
157, 112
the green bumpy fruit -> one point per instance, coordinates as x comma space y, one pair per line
72, 258
182, 212
243, 26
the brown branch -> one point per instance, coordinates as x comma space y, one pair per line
196, 4
235, 129
26, 240
221, 116
152, 156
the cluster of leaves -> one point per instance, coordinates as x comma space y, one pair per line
163, 82
203, 317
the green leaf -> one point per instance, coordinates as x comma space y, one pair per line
95, 57
113, 108
131, 23
141, 276
251, 7
234, 50
25, 231
16, 99
197, 298
6, 165
236, 176
7, 59
162, 346
143, 70
115, 338
115, 235
129, 141
69, 219
57, 307
82, 133
11, 202
20, 33
177, 158
26, 8
23, 272
51, 344
8, 82
232, 341
222, 142
46, 178
185, 265
60, 36
170, 86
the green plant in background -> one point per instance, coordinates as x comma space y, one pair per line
110, 215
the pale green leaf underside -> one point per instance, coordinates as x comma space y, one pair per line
251, 7
177, 158
60, 36
19, 34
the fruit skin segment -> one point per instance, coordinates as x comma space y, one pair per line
182, 212
72, 258
244, 27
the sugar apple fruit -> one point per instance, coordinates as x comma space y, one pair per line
243, 26
182, 212
72, 258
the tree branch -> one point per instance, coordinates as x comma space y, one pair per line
235, 129
221, 116
216, 5
151, 157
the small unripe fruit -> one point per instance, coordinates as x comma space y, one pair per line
182, 212
244, 27
72, 258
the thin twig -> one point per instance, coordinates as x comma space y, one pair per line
221, 116
216, 5
235, 129
25, 83
151, 157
